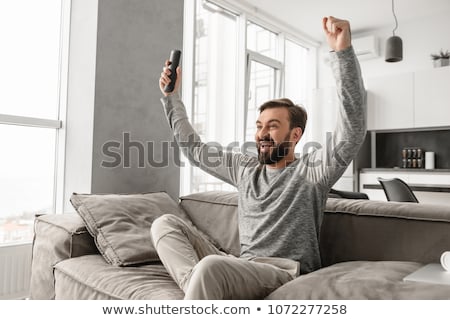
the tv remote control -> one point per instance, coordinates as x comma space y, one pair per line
174, 62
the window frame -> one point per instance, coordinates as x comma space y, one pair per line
278, 66
58, 123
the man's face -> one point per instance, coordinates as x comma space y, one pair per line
273, 137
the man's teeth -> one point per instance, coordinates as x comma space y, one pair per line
264, 146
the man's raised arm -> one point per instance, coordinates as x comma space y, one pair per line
350, 129
225, 166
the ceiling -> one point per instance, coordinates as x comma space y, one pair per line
364, 15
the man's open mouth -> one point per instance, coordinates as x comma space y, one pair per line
264, 146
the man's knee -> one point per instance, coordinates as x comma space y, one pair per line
211, 266
163, 225
208, 279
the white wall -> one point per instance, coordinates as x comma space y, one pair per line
420, 39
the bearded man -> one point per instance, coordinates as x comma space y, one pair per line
281, 197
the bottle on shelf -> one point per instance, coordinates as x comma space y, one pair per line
413, 157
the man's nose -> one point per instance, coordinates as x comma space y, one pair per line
263, 133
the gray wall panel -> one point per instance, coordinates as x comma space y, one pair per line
134, 39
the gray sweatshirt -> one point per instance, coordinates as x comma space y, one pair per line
281, 210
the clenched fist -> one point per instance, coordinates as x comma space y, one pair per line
337, 32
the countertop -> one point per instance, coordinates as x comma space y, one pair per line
405, 170
416, 187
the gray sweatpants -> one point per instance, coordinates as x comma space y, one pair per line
204, 272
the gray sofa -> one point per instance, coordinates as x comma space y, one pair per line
367, 247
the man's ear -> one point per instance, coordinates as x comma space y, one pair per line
297, 134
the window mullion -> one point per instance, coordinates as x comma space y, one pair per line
29, 121
281, 57
242, 81
247, 91
60, 145
188, 87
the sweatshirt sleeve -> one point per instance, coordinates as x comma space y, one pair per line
210, 157
350, 130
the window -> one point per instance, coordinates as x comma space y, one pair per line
262, 40
298, 81
262, 87
29, 113
228, 47
215, 72
296, 72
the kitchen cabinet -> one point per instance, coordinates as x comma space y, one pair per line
419, 99
431, 179
390, 102
432, 97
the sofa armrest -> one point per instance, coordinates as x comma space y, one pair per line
378, 230
56, 238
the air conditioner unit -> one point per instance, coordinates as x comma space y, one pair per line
366, 47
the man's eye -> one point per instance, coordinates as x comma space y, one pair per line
258, 128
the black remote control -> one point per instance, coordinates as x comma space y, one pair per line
174, 62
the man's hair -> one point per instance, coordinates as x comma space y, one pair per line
297, 113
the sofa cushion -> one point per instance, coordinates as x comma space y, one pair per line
57, 237
361, 280
120, 223
215, 214
91, 277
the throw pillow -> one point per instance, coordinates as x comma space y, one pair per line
120, 223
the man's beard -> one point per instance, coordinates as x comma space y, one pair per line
277, 152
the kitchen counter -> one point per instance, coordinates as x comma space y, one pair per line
407, 170
416, 187
429, 186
